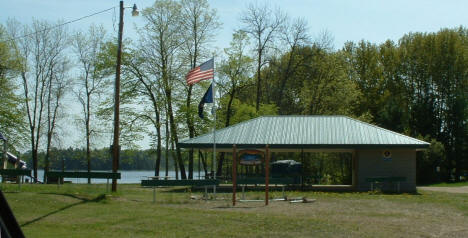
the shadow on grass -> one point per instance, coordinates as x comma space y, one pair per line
10, 191
83, 201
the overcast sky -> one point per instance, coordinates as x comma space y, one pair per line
346, 20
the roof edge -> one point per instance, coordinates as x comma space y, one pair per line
381, 128
306, 146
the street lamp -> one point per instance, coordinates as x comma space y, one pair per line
115, 145
135, 11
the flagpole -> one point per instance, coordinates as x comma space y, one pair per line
214, 130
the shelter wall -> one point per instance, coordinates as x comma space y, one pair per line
371, 163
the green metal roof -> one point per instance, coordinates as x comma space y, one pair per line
306, 132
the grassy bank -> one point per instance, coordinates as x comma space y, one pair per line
84, 211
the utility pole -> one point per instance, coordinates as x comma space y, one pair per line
115, 145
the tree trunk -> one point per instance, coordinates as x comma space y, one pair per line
259, 91
227, 123
158, 147
47, 157
174, 134
34, 159
175, 160
88, 148
284, 79
88, 129
191, 127
167, 147
200, 154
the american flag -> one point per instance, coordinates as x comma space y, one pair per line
202, 72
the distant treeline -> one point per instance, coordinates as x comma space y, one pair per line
74, 159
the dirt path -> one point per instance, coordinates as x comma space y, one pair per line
463, 189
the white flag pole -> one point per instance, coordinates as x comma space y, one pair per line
214, 130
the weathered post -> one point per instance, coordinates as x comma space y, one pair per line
115, 145
234, 174
267, 172
4, 155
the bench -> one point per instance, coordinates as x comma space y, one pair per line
382, 179
261, 180
178, 183
16, 172
90, 175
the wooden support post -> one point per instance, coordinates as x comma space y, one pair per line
199, 164
243, 192
302, 170
4, 158
234, 173
354, 175
18, 180
267, 172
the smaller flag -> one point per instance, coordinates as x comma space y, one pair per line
202, 72
207, 98
2, 137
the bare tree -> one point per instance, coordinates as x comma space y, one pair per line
41, 49
324, 40
87, 47
263, 25
56, 89
294, 36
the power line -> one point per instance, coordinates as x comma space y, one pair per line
60, 25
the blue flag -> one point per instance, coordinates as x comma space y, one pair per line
207, 98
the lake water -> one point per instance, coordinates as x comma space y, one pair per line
127, 176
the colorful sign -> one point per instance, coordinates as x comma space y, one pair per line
387, 155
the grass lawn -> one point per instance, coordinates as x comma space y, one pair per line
84, 211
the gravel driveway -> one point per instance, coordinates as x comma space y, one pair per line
463, 189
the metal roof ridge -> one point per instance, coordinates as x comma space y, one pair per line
222, 129
381, 128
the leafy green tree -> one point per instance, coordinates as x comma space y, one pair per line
162, 41
12, 124
198, 24
431, 164
366, 73
417, 87
147, 91
235, 72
